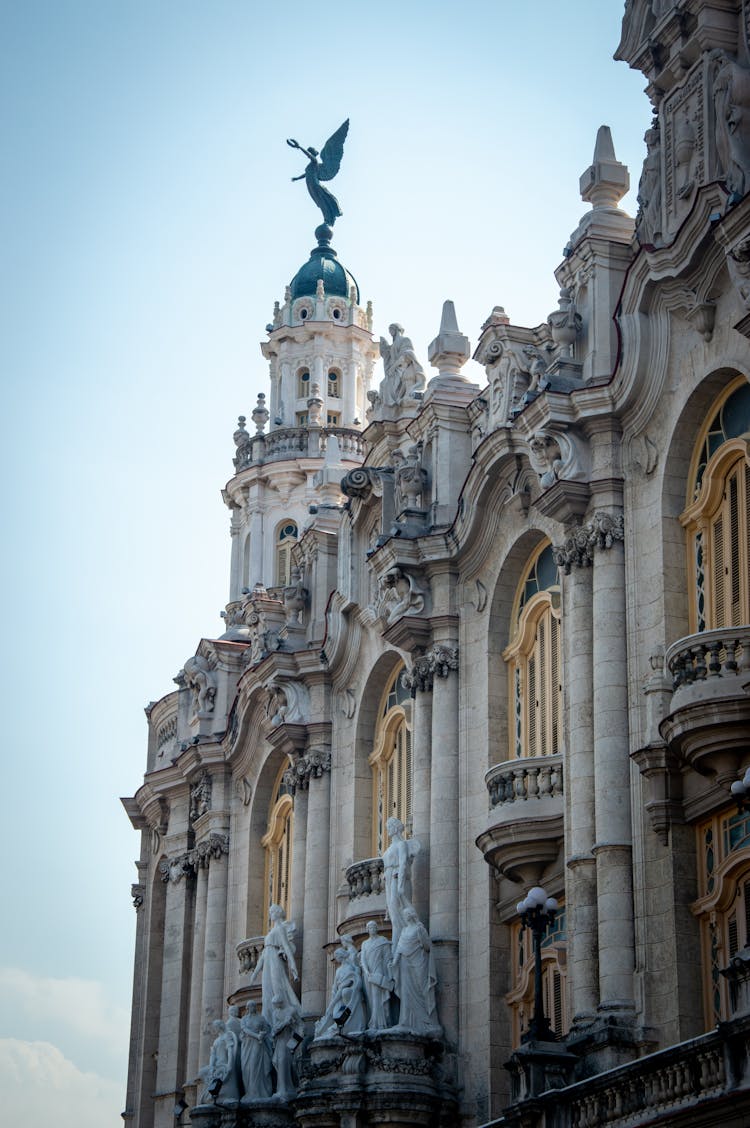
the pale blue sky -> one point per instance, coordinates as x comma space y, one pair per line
149, 223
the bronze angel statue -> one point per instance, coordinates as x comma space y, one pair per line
324, 169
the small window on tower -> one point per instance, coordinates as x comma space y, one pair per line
303, 383
334, 383
333, 419
301, 418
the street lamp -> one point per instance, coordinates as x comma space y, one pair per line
741, 791
537, 911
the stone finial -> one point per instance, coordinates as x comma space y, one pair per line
450, 350
606, 180
260, 414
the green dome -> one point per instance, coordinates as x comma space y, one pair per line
323, 264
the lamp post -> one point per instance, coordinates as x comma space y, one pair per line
741, 791
537, 911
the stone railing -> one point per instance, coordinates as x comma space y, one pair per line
662, 1087
708, 656
658, 1084
365, 877
248, 953
515, 781
298, 442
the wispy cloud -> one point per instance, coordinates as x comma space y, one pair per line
40, 1086
73, 1013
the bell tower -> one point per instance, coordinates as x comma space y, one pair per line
321, 355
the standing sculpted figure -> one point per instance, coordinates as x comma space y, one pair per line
414, 969
275, 963
287, 1030
221, 1067
403, 372
397, 863
346, 994
323, 169
255, 1054
375, 957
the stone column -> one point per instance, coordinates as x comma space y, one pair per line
444, 844
580, 833
212, 993
235, 567
419, 680
348, 394
299, 868
170, 1073
317, 865
255, 572
613, 848
196, 977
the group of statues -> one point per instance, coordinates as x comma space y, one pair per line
385, 985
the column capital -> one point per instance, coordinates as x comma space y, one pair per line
601, 532
438, 661
188, 864
311, 765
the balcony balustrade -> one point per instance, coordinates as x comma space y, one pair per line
299, 442
248, 953
365, 878
520, 780
712, 663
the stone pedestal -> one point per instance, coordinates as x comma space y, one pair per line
538, 1066
385, 1078
255, 1114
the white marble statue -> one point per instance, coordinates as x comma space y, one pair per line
377, 976
346, 994
397, 863
222, 1066
287, 1030
255, 1054
414, 969
403, 372
275, 963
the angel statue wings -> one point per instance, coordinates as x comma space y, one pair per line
324, 169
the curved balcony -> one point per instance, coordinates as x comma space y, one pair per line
298, 442
248, 953
365, 878
707, 723
525, 828
521, 780
362, 896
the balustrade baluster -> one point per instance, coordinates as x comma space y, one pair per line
714, 664
532, 788
730, 661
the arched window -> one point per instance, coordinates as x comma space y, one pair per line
723, 905
286, 538
334, 382
717, 517
391, 762
277, 842
534, 656
303, 383
520, 998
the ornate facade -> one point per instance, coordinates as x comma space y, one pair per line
515, 618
